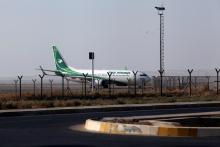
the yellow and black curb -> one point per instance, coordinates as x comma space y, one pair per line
149, 130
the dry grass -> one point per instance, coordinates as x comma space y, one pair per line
25, 104
10, 101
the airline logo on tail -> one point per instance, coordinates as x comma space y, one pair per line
61, 65
60, 60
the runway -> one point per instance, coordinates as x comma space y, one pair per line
54, 130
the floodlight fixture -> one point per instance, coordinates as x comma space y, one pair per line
160, 10
92, 57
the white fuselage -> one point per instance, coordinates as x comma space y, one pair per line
121, 76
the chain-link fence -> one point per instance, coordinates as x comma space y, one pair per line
53, 87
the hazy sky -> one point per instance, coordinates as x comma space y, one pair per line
120, 32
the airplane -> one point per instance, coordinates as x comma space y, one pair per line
101, 77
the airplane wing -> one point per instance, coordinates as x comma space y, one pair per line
44, 71
58, 73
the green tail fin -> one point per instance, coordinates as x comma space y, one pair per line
61, 64
59, 60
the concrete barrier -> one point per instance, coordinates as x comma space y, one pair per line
118, 128
148, 130
177, 131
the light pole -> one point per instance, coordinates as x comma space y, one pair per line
85, 75
92, 57
160, 13
161, 81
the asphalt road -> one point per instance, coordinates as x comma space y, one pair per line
54, 130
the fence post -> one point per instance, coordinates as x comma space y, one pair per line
82, 88
34, 82
109, 82
41, 85
20, 77
98, 85
217, 71
135, 82
190, 81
